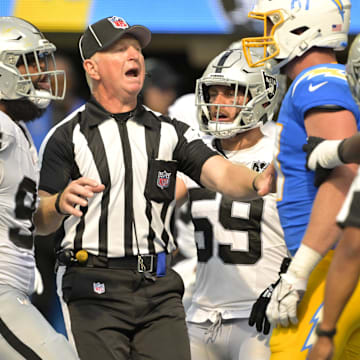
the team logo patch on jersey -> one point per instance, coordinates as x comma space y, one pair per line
259, 166
118, 22
99, 287
270, 85
163, 179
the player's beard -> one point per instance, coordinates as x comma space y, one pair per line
22, 110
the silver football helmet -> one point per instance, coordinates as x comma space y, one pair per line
353, 69
27, 64
254, 84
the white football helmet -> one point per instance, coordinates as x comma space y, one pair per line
293, 27
235, 45
21, 43
353, 69
231, 69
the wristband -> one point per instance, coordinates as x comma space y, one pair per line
253, 183
304, 261
57, 204
328, 154
327, 333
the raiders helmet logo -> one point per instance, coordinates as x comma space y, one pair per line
259, 166
270, 85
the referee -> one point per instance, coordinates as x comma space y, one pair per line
107, 182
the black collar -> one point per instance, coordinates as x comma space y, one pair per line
96, 114
216, 143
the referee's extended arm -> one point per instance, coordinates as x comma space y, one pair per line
236, 181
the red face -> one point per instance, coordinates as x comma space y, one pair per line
121, 68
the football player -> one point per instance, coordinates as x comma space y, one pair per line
25, 92
344, 271
240, 245
303, 36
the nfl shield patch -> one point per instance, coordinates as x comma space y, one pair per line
163, 179
99, 287
118, 22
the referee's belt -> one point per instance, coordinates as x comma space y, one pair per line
141, 263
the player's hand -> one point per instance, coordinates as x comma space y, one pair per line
322, 349
265, 182
282, 308
77, 194
258, 311
321, 156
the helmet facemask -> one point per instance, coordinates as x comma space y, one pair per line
270, 49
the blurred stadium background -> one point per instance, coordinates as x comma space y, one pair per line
186, 33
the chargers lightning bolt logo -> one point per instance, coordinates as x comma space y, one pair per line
338, 3
314, 321
340, 6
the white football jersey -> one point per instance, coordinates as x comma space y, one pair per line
19, 176
240, 244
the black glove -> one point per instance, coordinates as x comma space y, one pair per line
258, 311
321, 173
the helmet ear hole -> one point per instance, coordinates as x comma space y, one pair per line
299, 30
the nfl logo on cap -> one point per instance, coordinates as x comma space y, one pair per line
118, 22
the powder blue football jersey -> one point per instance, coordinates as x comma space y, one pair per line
321, 85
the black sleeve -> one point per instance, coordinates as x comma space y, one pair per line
191, 152
57, 160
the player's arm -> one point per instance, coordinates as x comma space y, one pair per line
341, 282
53, 208
342, 278
236, 181
328, 154
322, 231
350, 149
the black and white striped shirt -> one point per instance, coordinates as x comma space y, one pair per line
136, 156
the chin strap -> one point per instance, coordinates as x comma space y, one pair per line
41, 99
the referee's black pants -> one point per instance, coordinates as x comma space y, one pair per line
118, 314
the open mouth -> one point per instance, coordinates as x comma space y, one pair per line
43, 85
134, 72
221, 117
